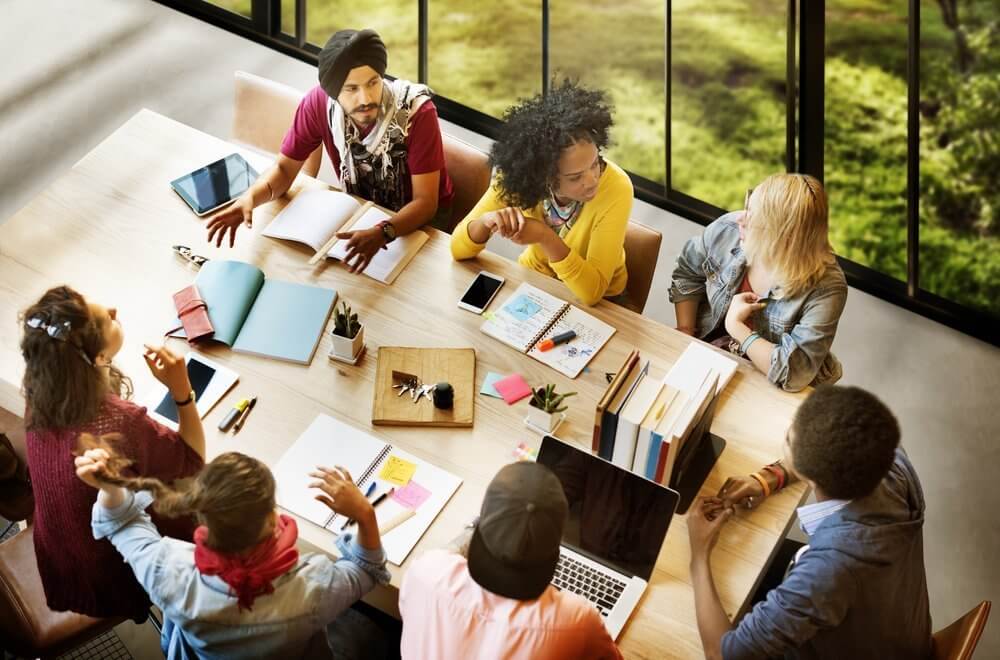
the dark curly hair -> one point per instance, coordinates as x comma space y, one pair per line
844, 441
534, 134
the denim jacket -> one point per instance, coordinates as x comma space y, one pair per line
201, 619
710, 269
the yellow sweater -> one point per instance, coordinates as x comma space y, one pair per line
595, 265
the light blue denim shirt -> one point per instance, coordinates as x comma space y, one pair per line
710, 269
201, 619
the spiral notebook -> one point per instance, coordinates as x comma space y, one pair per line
530, 315
328, 443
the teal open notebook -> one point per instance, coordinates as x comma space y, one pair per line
265, 317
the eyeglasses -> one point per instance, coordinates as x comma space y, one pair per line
184, 252
58, 331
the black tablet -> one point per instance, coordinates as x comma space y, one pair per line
215, 185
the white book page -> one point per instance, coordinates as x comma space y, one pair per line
312, 217
384, 266
694, 363
522, 316
570, 358
327, 442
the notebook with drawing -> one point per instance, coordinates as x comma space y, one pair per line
419, 486
313, 217
530, 315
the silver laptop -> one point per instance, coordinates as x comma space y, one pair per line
616, 526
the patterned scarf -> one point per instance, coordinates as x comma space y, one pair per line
374, 166
561, 217
251, 575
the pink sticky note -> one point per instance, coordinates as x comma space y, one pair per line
412, 495
513, 388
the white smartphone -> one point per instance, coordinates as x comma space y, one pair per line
481, 292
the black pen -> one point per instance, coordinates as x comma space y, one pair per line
374, 504
245, 414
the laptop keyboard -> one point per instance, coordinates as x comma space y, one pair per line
599, 588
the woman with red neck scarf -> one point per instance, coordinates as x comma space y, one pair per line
241, 590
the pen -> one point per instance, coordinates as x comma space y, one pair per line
231, 416
377, 501
243, 416
368, 493
552, 342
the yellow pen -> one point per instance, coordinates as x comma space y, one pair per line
231, 416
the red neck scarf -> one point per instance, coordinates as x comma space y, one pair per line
250, 576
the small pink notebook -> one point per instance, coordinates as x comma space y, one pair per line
513, 388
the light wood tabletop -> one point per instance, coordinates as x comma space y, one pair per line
106, 228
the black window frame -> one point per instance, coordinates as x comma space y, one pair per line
804, 130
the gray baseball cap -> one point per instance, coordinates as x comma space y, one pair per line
515, 546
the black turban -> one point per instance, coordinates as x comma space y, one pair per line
346, 50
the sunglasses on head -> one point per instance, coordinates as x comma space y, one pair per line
58, 331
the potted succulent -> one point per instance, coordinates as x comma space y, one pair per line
348, 333
545, 410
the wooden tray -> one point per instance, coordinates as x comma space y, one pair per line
431, 365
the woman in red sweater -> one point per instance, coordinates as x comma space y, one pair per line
71, 387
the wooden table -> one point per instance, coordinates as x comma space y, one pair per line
106, 227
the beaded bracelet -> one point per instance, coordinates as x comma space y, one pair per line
763, 483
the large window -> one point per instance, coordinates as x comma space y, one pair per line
895, 104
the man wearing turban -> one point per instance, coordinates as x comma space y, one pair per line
382, 137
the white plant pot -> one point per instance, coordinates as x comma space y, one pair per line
542, 419
348, 348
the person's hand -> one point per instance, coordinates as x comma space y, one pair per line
362, 244
705, 518
337, 491
531, 232
505, 222
741, 492
170, 369
229, 219
741, 308
91, 465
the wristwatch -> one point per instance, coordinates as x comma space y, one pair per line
388, 231
186, 401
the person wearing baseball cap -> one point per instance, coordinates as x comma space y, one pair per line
382, 137
490, 596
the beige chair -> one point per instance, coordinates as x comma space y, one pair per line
263, 112
469, 169
958, 641
642, 249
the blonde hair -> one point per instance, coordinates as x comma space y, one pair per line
789, 230
232, 496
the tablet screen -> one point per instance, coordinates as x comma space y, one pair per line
215, 184
200, 375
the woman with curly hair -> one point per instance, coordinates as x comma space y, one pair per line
555, 194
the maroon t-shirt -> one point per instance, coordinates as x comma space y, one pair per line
79, 573
424, 151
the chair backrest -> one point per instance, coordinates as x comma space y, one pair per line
469, 169
959, 640
642, 248
28, 627
262, 112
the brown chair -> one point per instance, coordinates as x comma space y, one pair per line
16, 499
958, 641
469, 169
263, 112
642, 249
28, 627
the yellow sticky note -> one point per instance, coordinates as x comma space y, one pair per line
397, 471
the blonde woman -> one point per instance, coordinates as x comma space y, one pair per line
764, 283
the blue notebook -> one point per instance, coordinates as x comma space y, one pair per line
264, 317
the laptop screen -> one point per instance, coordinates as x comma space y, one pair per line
615, 517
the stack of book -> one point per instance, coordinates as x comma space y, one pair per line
643, 424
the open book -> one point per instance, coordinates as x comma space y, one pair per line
328, 442
530, 315
313, 217
265, 317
